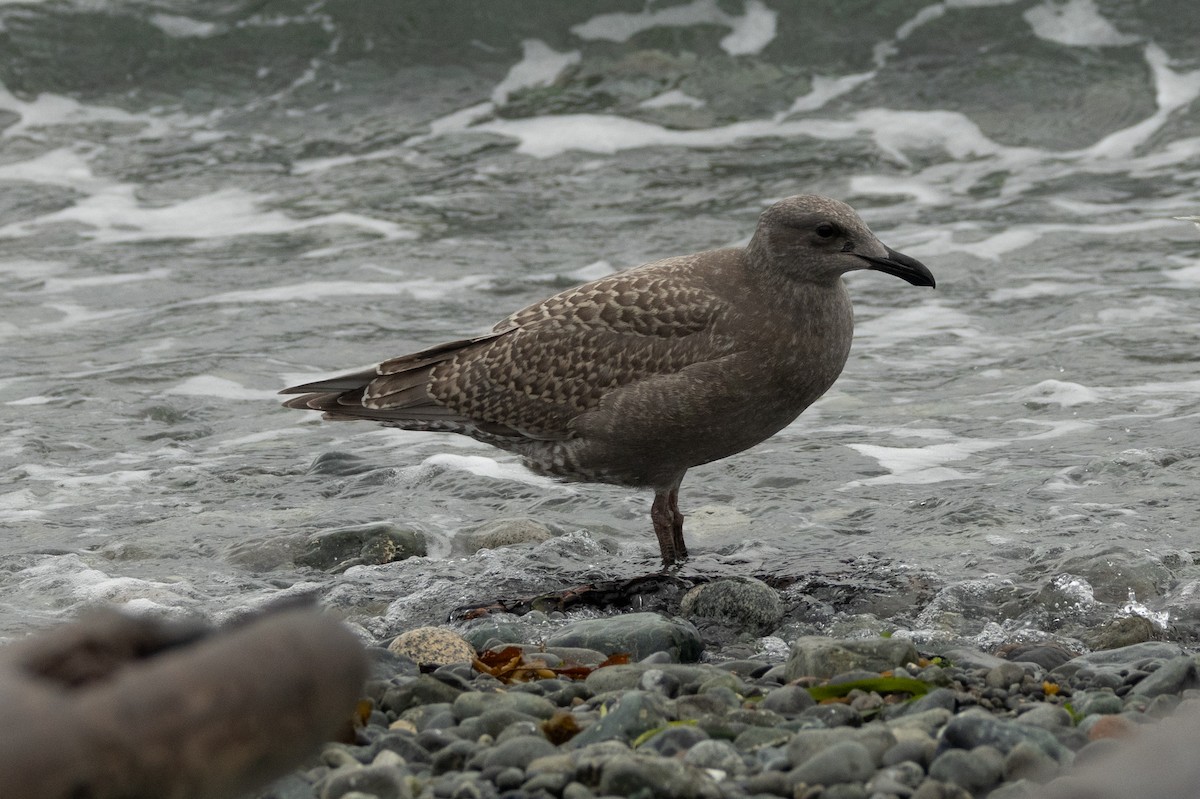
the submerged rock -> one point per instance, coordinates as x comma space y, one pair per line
815, 656
742, 603
635, 634
364, 544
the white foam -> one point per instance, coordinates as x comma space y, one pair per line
543, 137
1036, 288
312, 291
28, 269
825, 88
920, 465
38, 400
930, 318
84, 583
1173, 90
63, 478
539, 66
59, 284
182, 27
488, 467
219, 387
1057, 392
47, 110
584, 274
751, 32
888, 185
672, 98
1076, 23
113, 213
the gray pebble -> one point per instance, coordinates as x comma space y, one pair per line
1172, 677
742, 603
936, 789
720, 755
1101, 704
1004, 674
634, 713
577, 790
384, 782
474, 703
976, 770
900, 780
845, 761
638, 634
1046, 716
1026, 761
673, 740
519, 752
942, 698
788, 700
911, 750
816, 656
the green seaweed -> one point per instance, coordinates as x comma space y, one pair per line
881, 685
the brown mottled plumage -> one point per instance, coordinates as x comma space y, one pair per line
634, 378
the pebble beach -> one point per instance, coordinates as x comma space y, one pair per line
650, 704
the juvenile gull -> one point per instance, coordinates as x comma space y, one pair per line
634, 378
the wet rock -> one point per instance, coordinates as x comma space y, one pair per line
1046, 716
938, 698
492, 630
713, 754
967, 658
634, 713
806, 744
844, 761
927, 721
1108, 726
519, 752
742, 603
382, 782
1172, 677
1002, 675
673, 740
1120, 633
1103, 703
500, 533
365, 544
1027, 762
636, 634
755, 738
897, 780
475, 703
911, 746
834, 715
423, 690
936, 789
635, 775
1046, 655
788, 700
972, 729
815, 656
624, 677
976, 770
432, 646
1125, 657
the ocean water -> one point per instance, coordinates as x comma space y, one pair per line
200, 205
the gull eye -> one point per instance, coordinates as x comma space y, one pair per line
826, 231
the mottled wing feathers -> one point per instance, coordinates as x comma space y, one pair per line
543, 366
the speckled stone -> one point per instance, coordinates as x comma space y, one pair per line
433, 646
